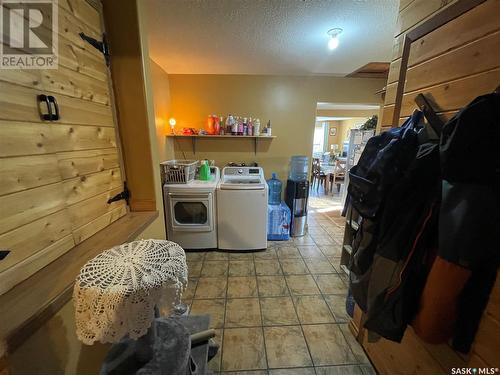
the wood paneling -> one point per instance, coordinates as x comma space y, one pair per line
65, 81
417, 11
21, 138
478, 56
21, 173
394, 71
84, 12
32, 237
78, 163
475, 24
52, 172
387, 115
90, 209
89, 229
390, 93
84, 187
81, 61
30, 265
19, 103
75, 137
60, 81
453, 95
29, 205
397, 47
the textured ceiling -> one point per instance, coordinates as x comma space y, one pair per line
268, 36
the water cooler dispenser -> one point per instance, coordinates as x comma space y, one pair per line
297, 194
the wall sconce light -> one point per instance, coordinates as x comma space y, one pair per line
334, 38
172, 123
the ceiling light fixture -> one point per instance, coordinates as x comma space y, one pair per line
334, 38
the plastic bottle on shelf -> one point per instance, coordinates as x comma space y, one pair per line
240, 126
210, 125
222, 129
268, 131
230, 124
217, 125
234, 130
250, 126
245, 126
256, 127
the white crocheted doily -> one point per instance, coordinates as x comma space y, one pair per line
116, 292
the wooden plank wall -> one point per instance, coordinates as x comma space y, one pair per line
412, 13
451, 65
56, 177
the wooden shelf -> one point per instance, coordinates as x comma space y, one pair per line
195, 137
220, 136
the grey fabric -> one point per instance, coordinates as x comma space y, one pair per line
171, 353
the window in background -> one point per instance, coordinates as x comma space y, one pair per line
319, 138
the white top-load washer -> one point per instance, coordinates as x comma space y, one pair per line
242, 209
190, 212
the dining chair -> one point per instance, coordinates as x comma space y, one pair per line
318, 177
338, 174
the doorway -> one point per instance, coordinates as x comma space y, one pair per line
335, 123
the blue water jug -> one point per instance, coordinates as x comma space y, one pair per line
274, 190
278, 222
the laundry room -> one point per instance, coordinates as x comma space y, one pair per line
222, 187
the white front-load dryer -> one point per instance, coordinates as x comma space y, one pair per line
190, 212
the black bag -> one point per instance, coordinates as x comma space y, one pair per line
383, 161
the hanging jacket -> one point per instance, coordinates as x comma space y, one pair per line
383, 161
391, 250
407, 240
381, 164
463, 274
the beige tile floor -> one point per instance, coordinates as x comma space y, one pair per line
280, 311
